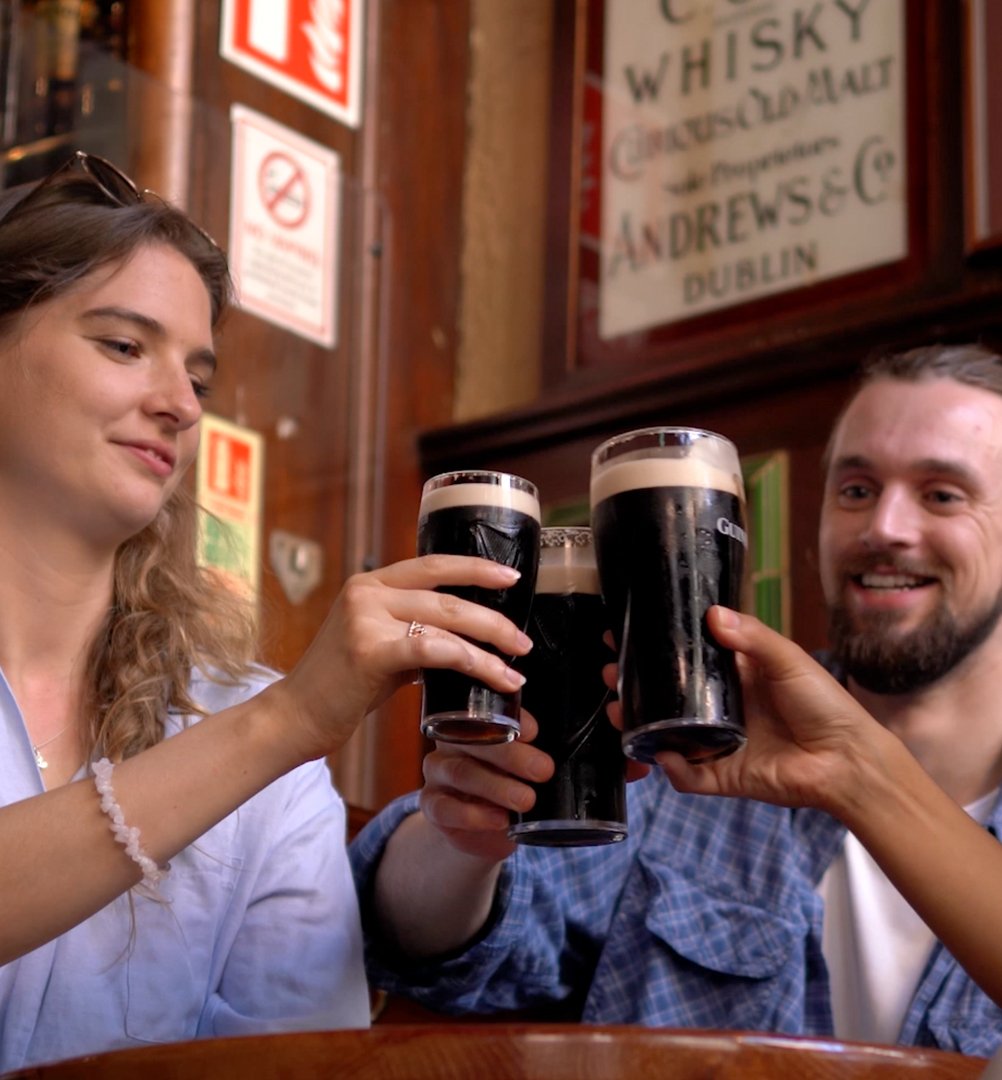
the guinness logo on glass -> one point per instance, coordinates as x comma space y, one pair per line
728, 528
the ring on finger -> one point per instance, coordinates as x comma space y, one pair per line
416, 629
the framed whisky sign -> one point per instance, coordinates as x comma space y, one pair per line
732, 162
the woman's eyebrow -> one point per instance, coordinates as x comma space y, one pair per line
137, 317
148, 323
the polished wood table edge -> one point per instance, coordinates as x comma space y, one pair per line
514, 1050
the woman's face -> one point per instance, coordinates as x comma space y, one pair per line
100, 397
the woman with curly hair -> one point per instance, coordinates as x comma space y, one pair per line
172, 852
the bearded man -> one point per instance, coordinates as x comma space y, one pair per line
813, 902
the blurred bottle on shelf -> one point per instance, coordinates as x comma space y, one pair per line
56, 64
63, 82
10, 69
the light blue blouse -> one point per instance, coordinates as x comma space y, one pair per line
257, 929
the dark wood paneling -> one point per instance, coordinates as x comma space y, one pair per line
269, 375
269, 378
424, 46
395, 361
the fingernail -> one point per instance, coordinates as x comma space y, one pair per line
516, 678
509, 572
728, 618
524, 641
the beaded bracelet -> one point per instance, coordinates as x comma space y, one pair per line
128, 835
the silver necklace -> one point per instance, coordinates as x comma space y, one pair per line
37, 748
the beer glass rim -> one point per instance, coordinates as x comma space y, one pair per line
481, 476
601, 452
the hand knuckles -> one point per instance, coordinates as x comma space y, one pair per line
431, 802
356, 594
460, 772
427, 798
465, 658
423, 648
472, 657
444, 811
436, 565
433, 767
450, 606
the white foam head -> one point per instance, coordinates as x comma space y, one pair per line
565, 570
630, 472
665, 457
505, 496
567, 562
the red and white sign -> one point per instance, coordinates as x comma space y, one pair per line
311, 49
228, 466
284, 226
228, 487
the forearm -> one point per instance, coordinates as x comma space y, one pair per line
812, 744
59, 861
429, 898
946, 865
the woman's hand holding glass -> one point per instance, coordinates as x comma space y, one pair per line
367, 647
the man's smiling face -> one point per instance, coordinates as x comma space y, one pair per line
911, 530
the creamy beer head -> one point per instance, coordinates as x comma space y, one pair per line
646, 458
507, 492
567, 562
623, 474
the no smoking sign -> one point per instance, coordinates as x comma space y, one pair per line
284, 189
284, 229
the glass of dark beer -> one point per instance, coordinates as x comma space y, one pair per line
584, 802
668, 512
494, 515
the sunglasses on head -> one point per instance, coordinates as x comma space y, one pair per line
114, 185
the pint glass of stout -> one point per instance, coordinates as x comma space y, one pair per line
584, 802
669, 521
496, 516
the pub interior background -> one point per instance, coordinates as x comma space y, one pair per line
459, 316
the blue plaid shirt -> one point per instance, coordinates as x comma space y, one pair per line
706, 916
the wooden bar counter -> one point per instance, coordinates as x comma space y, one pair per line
515, 1051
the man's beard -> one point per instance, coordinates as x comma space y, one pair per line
885, 662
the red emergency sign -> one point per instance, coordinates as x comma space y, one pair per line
309, 48
229, 467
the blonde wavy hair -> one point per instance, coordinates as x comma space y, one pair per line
168, 616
